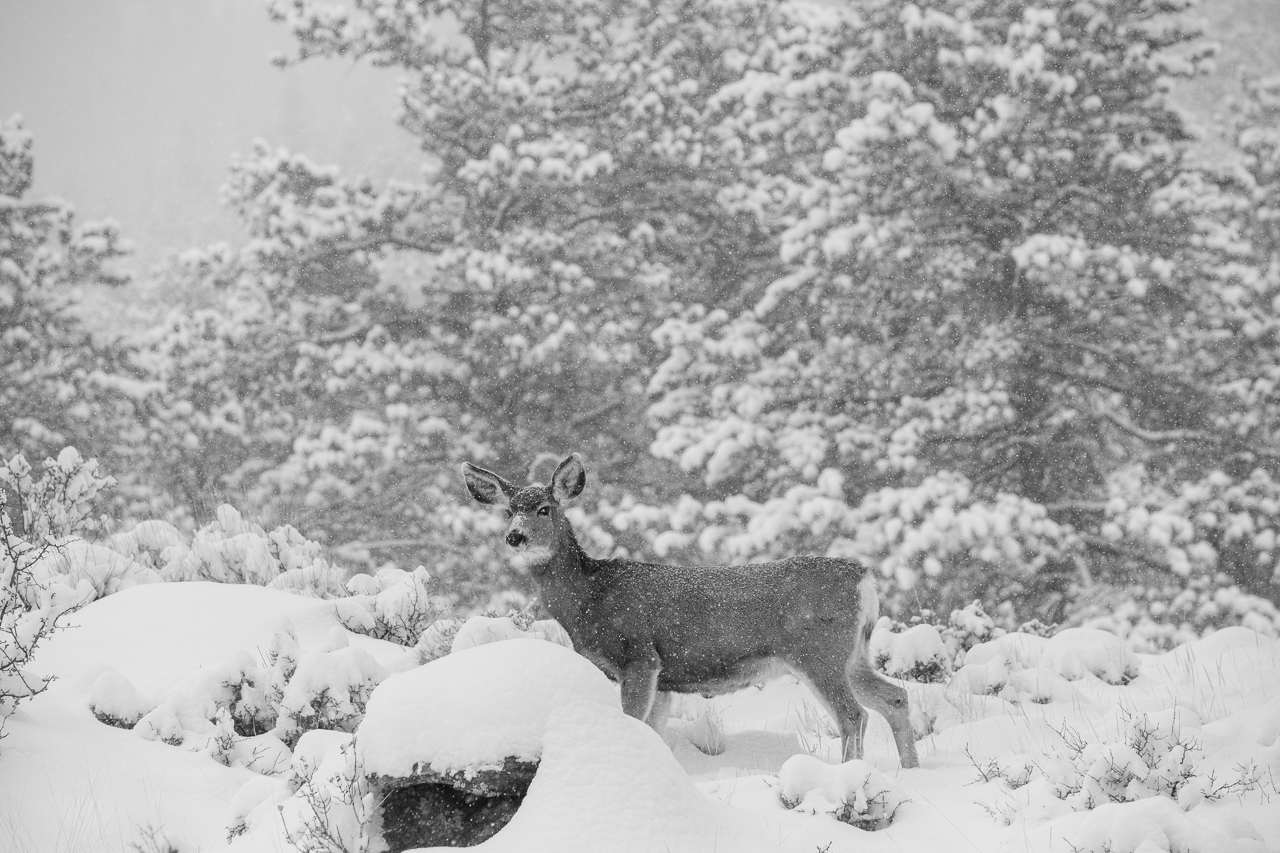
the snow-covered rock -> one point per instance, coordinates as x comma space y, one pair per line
473, 709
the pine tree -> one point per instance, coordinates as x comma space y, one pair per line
58, 386
1000, 303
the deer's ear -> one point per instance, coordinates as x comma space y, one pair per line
487, 487
569, 479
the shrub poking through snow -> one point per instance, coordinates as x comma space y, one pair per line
854, 792
914, 654
1152, 620
328, 690
254, 713
437, 640
396, 605
968, 627
1157, 754
58, 504
33, 594
1070, 654
115, 701
230, 549
334, 808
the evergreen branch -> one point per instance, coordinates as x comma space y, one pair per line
1154, 436
432, 244
590, 415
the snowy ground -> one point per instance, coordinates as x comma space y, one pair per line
1193, 739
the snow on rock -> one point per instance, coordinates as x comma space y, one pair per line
854, 792
471, 709
608, 782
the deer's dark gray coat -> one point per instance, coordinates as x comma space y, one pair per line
661, 629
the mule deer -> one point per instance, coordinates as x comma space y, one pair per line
660, 629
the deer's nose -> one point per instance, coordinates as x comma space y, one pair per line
515, 539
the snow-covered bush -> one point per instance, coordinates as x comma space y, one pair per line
1157, 754
230, 549
1070, 654
333, 808
115, 701
854, 792
34, 593
29, 613
393, 605
913, 654
1159, 617
61, 503
253, 712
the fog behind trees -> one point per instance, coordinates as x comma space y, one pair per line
138, 105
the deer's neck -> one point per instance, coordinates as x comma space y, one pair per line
565, 578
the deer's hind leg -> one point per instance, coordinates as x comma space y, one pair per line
828, 682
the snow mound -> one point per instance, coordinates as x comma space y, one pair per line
469, 710
1071, 653
1076, 651
1154, 825
854, 792
608, 782
604, 781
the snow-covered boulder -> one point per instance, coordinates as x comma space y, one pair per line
471, 710
603, 781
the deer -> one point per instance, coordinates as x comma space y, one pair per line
661, 629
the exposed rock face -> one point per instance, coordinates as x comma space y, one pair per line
429, 809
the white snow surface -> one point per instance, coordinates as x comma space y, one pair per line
470, 709
72, 784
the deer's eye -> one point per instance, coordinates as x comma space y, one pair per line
544, 510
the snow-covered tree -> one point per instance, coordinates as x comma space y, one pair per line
500, 307
931, 284
1001, 296
47, 360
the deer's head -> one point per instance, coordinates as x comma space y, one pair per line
535, 513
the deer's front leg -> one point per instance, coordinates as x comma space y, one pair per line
639, 688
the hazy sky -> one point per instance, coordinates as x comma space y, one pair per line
137, 106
